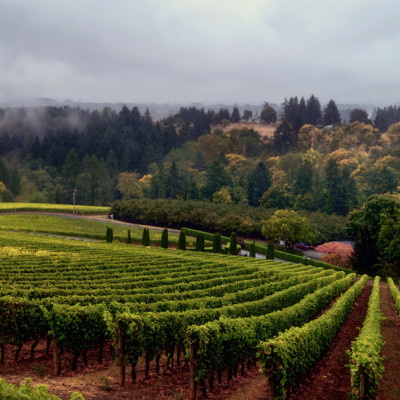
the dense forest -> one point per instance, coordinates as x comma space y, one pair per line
313, 161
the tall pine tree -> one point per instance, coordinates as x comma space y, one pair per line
259, 183
331, 114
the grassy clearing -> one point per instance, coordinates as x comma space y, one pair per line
59, 208
76, 227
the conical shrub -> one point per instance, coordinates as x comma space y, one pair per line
270, 251
217, 243
233, 244
253, 249
164, 238
182, 241
200, 242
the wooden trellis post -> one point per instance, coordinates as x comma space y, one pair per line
121, 355
193, 345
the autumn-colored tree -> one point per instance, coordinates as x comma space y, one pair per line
289, 227
222, 196
307, 137
129, 186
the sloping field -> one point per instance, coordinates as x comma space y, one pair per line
67, 225
147, 307
265, 130
59, 208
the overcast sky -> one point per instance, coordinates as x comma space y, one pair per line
230, 51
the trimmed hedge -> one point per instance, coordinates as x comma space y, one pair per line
207, 235
212, 217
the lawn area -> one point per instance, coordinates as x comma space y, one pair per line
77, 227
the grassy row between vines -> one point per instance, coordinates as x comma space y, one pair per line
366, 363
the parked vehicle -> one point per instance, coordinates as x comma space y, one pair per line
305, 246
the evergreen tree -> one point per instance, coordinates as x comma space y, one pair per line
164, 238
182, 241
303, 181
146, 237
222, 114
173, 182
290, 110
333, 185
341, 191
233, 244
71, 166
217, 243
270, 251
259, 182
200, 242
313, 111
285, 138
331, 114
247, 114
15, 184
235, 117
268, 114
302, 111
364, 228
109, 235
253, 249
360, 115
158, 181
129, 239
216, 178
381, 180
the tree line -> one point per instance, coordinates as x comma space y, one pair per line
196, 154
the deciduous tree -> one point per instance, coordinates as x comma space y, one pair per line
289, 227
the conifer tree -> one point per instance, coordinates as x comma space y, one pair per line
217, 243
331, 114
146, 237
233, 244
182, 241
200, 242
253, 249
129, 239
270, 251
259, 183
235, 117
313, 111
164, 238
109, 235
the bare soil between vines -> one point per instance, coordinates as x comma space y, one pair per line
329, 380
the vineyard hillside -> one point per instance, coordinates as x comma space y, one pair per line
69, 305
